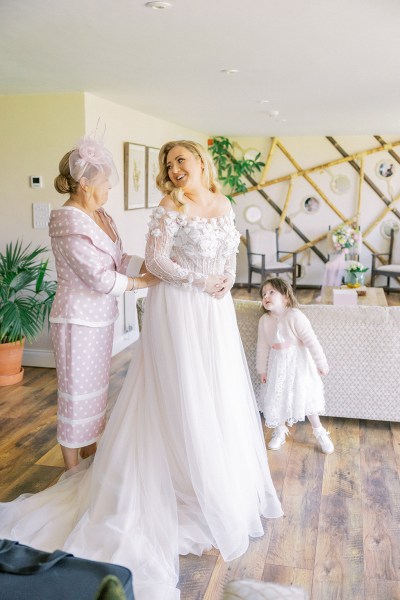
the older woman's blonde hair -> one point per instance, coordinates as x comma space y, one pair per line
64, 182
163, 181
284, 288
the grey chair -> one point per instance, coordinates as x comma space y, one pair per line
392, 268
263, 256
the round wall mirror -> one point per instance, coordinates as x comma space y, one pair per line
340, 184
311, 205
385, 169
253, 214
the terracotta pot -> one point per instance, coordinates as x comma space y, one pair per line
10, 363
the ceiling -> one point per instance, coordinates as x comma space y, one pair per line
327, 66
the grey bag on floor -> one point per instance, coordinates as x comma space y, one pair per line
29, 573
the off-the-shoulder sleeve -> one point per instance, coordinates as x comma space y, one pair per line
79, 252
162, 230
262, 346
304, 331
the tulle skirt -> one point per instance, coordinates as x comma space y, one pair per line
294, 387
182, 464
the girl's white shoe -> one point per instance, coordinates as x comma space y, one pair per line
324, 440
278, 437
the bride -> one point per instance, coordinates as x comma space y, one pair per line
182, 464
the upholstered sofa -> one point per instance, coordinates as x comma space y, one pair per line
362, 345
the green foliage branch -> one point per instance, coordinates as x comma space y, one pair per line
25, 296
231, 170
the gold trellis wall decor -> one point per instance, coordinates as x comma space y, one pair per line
357, 162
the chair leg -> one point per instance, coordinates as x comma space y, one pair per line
249, 281
294, 280
388, 285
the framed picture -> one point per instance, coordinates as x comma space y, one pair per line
134, 176
153, 195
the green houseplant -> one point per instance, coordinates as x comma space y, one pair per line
232, 170
25, 302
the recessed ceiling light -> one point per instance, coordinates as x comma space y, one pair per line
229, 71
262, 101
158, 5
273, 113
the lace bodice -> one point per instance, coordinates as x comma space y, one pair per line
183, 251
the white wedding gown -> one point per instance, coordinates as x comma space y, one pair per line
182, 464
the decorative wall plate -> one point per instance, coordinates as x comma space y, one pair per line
340, 184
387, 226
253, 214
385, 169
311, 204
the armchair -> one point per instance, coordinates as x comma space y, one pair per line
392, 268
263, 256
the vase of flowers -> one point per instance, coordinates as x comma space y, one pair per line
354, 274
344, 238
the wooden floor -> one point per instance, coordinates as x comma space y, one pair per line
340, 537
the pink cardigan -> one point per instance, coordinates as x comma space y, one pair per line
293, 328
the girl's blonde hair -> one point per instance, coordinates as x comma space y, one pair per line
163, 181
64, 182
284, 288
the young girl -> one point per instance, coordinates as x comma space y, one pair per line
290, 361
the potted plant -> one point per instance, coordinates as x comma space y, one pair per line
25, 303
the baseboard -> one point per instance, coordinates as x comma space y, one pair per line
38, 358
124, 341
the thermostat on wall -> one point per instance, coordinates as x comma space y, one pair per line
36, 181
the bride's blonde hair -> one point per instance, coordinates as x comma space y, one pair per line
163, 181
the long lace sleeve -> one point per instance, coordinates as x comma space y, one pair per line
262, 346
230, 265
162, 229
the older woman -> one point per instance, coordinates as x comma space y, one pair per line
92, 271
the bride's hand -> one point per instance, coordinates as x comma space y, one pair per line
221, 286
226, 286
214, 283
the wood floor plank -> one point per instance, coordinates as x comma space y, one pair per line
294, 537
381, 589
289, 576
381, 502
395, 428
52, 458
195, 573
339, 564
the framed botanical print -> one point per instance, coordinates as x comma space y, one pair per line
134, 176
153, 195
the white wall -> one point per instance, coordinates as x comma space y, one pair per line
309, 152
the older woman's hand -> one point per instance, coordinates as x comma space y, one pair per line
145, 280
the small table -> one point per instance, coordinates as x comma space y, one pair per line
373, 297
